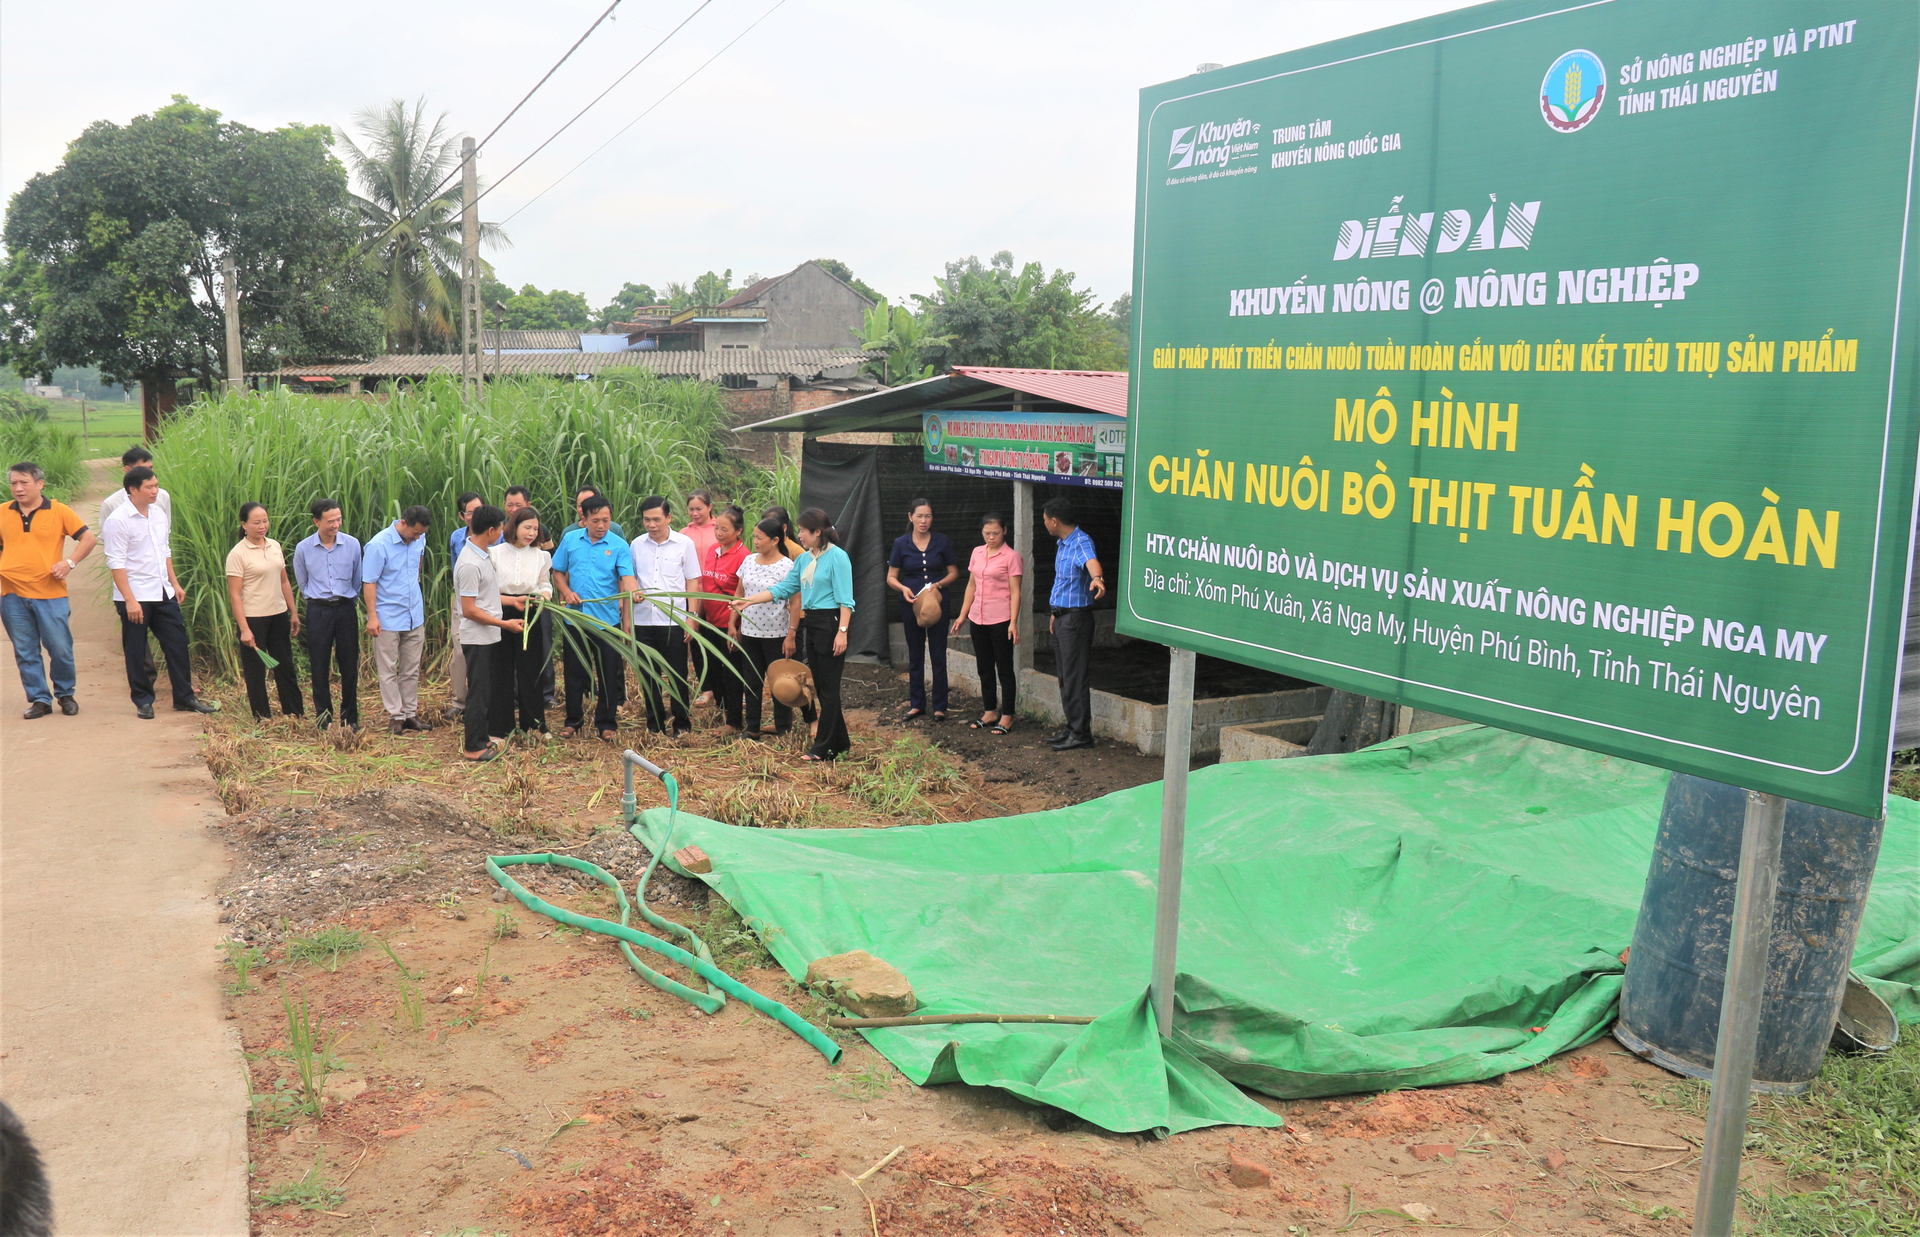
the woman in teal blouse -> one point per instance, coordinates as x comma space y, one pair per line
824, 579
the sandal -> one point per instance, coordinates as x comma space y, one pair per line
981, 723
492, 753
939, 715
913, 713
609, 736
567, 732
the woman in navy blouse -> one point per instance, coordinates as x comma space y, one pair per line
921, 560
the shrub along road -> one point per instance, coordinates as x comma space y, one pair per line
113, 1046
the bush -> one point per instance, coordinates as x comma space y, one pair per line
57, 451
632, 435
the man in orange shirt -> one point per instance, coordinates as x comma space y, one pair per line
34, 567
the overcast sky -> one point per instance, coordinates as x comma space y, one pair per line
891, 135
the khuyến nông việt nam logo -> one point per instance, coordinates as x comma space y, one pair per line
1573, 90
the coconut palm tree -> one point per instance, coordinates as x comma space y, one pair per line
414, 231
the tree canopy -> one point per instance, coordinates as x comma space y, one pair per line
113, 258
994, 315
627, 302
844, 273
530, 309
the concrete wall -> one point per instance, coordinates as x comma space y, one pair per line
1278, 740
812, 309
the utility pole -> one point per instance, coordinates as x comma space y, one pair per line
470, 321
236, 363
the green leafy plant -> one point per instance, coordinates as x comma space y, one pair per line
895, 781
242, 957
310, 1052
412, 1013
505, 924
312, 1192
326, 947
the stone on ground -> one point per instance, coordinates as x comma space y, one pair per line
864, 984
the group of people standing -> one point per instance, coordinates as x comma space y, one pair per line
921, 568
777, 607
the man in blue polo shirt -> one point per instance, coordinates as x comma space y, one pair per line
397, 614
593, 573
1077, 580
327, 567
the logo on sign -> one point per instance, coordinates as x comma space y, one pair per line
1181, 156
933, 432
1574, 89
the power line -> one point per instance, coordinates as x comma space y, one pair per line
637, 119
603, 94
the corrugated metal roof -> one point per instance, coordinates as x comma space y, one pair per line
554, 341
1097, 390
800, 363
969, 386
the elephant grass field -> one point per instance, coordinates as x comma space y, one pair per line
633, 435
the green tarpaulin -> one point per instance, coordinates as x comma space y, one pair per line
1441, 908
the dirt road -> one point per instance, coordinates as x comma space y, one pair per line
113, 1044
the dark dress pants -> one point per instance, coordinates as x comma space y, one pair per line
822, 627
1072, 653
671, 644
759, 652
993, 656
162, 618
480, 659
727, 667
517, 701
274, 633
606, 678
333, 637
920, 642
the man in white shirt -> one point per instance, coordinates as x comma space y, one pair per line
664, 561
476, 589
147, 593
134, 457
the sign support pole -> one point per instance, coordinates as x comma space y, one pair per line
1173, 836
1023, 521
1737, 1043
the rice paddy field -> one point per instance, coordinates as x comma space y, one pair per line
631, 436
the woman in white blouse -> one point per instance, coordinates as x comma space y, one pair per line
525, 571
765, 632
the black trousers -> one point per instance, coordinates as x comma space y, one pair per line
993, 656
162, 618
727, 671
480, 659
1072, 652
333, 637
274, 633
922, 641
757, 653
822, 627
516, 700
605, 678
548, 662
671, 643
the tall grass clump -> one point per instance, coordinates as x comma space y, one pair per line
56, 450
633, 434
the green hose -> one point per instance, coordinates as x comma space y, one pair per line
720, 985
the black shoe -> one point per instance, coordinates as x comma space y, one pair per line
38, 709
1062, 737
197, 705
144, 712
396, 728
416, 725
1072, 744
69, 706
453, 713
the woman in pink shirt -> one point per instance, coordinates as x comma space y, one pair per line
700, 531
992, 605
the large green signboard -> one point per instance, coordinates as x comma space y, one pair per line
1549, 366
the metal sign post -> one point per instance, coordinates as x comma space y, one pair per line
1173, 835
1735, 1047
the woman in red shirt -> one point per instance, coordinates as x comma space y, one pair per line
720, 574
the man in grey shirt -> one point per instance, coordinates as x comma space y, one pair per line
476, 588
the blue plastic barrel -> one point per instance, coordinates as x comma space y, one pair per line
1670, 1001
